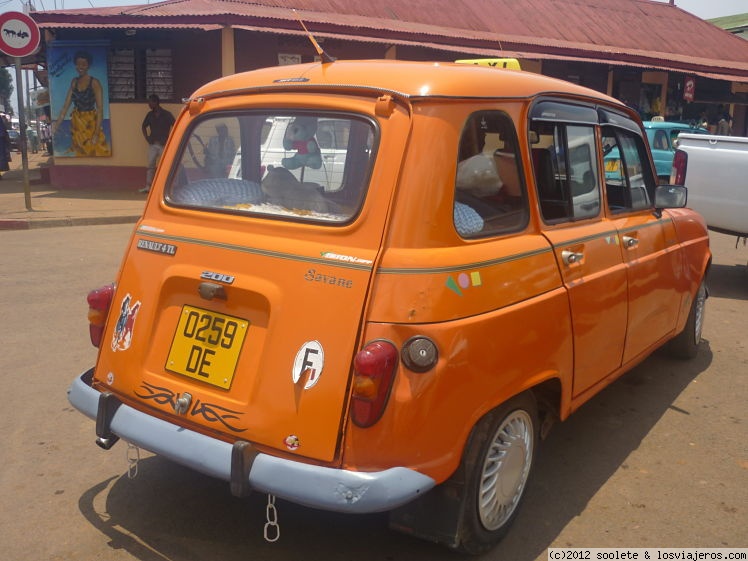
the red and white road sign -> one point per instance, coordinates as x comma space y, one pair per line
19, 34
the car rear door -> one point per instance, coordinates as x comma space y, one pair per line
247, 294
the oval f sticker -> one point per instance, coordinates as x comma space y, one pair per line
307, 366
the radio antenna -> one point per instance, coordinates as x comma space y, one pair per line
324, 57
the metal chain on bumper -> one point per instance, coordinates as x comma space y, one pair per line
272, 529
133, 457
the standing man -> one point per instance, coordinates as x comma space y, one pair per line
156, 126
33, 139
724, 126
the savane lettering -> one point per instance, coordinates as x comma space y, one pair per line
313, 276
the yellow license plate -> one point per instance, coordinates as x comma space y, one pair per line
206, 346
612, 165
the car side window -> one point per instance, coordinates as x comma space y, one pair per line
661, 142
566, 172
490, 197
629, 182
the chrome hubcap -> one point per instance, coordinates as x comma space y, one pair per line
505, 470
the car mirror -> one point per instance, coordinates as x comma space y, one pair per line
670, 196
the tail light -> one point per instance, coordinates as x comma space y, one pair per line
678, 171
374, 371
99, 302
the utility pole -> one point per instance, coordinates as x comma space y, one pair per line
22, 125
28, 44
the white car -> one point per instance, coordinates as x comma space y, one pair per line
331, 137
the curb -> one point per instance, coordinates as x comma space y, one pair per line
31, 223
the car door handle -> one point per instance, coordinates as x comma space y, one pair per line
629, 242
571, 257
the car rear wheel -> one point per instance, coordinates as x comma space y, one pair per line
497, 463
686, 344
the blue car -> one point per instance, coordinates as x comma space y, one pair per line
661, 136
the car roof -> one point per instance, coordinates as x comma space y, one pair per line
670, 125
410, 79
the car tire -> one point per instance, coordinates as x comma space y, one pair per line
685, 345
497, 463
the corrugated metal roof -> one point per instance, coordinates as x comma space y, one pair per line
200, 26
497, 53
639, 32
731, 22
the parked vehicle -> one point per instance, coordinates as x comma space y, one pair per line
662, 136
15, 139
714, 169
330, 137
399, 341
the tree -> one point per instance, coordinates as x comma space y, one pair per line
6, 90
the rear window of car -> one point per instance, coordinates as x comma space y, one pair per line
296, 166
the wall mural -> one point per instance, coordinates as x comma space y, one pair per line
79, 99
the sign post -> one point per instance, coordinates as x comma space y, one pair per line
19, 37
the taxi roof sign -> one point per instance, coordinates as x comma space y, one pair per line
510, 63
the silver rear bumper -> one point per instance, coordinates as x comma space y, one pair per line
314, 486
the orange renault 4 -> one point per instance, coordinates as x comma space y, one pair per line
373, 286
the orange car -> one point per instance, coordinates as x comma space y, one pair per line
373, 286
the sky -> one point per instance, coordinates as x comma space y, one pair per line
708, 9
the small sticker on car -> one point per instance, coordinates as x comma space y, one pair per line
308, 364
123, 329
292, 442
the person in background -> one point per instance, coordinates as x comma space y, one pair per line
4, 147
156, 127
724, 126
704, 120
220, 152
33, 139
46, 138
87, 118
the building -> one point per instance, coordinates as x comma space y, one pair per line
737, 24
652, 55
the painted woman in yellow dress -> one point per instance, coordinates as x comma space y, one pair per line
87, 117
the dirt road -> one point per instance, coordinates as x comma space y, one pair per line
659, 458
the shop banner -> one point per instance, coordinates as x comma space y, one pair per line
79, 99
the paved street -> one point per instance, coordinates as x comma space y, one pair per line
659, 458
52, 207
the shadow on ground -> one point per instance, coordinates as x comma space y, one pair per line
170, 512
728, 281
